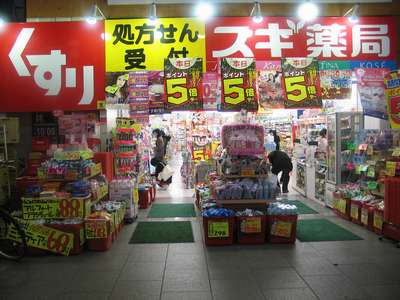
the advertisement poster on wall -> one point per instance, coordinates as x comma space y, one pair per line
211, 91
371, 89
238, 81
183, 83
335, 78
156, 92
139, 96
300, 77
392, 91
271, 94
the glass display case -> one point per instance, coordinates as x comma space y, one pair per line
342, 128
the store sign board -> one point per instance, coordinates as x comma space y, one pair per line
238, 81
137, 44
335, 78
183, 83
243, 139
301, 81
372, 91
392, 91
271, 93
51, 66
326, 38
373, 64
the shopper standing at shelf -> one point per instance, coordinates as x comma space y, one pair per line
322, 149
277, 139
281, 162
158, 151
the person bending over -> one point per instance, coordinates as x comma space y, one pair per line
281, 162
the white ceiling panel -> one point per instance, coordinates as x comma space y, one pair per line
137, 2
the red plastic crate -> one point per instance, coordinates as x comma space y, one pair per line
251, 230
378, 221
218, 231
282, 229
144, 198
392, 200
367, 216
78, 230
355, 211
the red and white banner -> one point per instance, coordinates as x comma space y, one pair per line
51, 66
326, 38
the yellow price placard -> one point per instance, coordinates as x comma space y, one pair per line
354, 211
138, 44
281, 228
364, 216
218, 229
251, 225
391, 168
378, 220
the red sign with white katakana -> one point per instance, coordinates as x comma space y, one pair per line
51, 66
326, 38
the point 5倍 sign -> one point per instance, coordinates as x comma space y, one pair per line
51, 66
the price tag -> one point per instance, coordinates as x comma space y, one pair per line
281, 228
371, 171
218, 229
342, 206
364, 216
396, 152
101, 104
247, 172
251, 225
372, 185
370, 150
378, 221
354, 211
96, 229
391, 168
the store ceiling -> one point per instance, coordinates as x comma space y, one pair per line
134, 2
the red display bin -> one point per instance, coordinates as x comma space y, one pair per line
251, 230
367, 216
392, 200
378, 221
77, 230
98, 237
282, 229
218, 231
144, 198
106, 160
391, 231
342, 206
355, 211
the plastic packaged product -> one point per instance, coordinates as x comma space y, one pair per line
218, 212
279, 208
249, 213
259, 191
236, 191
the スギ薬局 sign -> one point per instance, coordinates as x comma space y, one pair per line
51, 66
327, 38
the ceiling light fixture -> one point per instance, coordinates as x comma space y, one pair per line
353, 13
256, 12
204, 10
96, 14
2, 22
307, 11
153, 12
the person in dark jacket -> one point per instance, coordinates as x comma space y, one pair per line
277, 139
159, 151
281, 162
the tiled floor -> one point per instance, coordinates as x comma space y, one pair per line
366, 269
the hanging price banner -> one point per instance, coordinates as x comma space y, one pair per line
238, 81
301, 83
335, 77
392, 91
183, 83
218, 229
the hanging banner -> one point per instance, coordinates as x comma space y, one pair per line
335, 79
201, 146
325, 38
183, 83
139, 96
156, 92
243, 139
238, 81
371, 88
392, 91
270, 89
138, 44
300, 76
211, 91
51, 66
